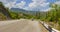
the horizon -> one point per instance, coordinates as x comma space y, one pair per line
34, 5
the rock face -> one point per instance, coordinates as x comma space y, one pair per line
4, 10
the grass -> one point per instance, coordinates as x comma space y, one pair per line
54, 25
43, 28
2, 17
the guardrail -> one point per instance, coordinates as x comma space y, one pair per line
48, 27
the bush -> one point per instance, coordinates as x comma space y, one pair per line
2, 17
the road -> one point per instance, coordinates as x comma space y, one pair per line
21, 25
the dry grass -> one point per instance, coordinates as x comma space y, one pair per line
53, 25
43, 29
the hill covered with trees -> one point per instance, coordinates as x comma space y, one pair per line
52, 17
8, 14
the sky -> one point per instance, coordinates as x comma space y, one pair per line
34, 5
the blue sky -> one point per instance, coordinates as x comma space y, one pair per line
35, 5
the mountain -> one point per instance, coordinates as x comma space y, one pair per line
28, 12
17, 10
23, 11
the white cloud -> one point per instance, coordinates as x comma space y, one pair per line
37, 4
44, 4
58, 2
46, 9
3, 1
20, 5
39, 0
34, 5
8, 3
12, 3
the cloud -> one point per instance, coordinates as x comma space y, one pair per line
48, 9
8, 3
20, 5
34, 5
44, 4
12, 3
4, 1
58, 2
37, 4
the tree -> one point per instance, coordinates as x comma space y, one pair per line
55, 6
4, 10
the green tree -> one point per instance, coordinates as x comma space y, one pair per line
4, 10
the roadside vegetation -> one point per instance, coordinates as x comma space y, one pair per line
6, 13
52, 17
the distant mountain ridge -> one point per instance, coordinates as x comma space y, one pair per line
23, 11
27, 12
17, 10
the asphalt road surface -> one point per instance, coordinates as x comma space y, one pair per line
21, 25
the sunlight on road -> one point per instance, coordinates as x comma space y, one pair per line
20, 26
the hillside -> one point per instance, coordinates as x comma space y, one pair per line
18, 10
4, 11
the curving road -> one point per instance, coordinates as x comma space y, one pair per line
21, 25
